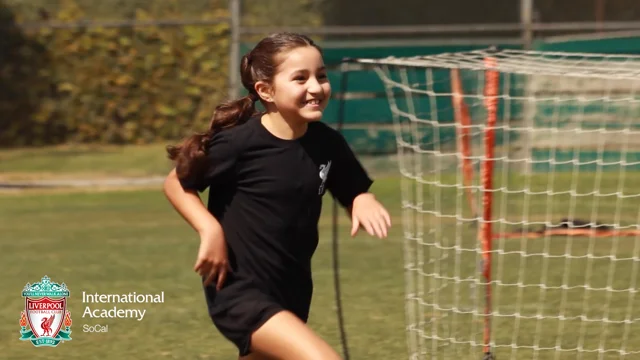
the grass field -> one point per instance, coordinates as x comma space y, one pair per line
83, 161
131, 240
114, 242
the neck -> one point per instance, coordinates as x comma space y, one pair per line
283, 128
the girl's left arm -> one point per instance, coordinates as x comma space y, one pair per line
349, 183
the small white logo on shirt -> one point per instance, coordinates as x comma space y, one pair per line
324, 173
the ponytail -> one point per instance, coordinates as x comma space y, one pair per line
190, 156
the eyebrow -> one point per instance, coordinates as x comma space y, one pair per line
322, 68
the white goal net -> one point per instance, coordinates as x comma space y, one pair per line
521, 203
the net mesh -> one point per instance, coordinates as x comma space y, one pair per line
520, 192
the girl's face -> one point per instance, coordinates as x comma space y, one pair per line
301, 89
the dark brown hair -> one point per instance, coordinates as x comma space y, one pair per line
260, 64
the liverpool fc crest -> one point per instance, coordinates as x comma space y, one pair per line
46, 314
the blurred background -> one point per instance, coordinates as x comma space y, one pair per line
92, 91
139, 72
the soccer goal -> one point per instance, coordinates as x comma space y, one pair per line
521, 203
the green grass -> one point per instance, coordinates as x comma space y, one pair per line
84, 161
120, 242
100, 161
126, 241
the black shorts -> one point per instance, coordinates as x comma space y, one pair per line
241, 307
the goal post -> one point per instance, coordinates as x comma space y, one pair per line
520, 189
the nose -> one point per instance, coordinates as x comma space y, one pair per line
314, 86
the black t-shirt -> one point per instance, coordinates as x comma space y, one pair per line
267, 194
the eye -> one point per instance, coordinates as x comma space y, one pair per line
299, 78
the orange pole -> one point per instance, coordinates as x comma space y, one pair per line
492, 78
463, 119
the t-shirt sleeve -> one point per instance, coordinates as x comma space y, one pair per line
347, 177
218, 166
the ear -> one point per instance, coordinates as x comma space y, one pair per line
265, 91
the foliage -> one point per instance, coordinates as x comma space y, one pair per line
39, 10
119, 85
115, 85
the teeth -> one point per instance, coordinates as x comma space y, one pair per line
313, 102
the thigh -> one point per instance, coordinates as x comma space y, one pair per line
285, 337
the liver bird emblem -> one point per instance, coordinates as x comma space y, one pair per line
46, 325
324, 173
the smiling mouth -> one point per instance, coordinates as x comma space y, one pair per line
313, 102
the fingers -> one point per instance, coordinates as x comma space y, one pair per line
197, 266
385, 222
386, 217
211, 276
378, 228
381, 229
221, 278
375, 223
355, 225
210, 272
369, 226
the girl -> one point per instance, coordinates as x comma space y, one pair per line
266, 175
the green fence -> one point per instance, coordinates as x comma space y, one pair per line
618, 43
596, 145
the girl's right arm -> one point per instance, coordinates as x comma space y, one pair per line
212, 255
189, 205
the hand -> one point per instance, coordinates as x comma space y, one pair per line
367, 212
212, 262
